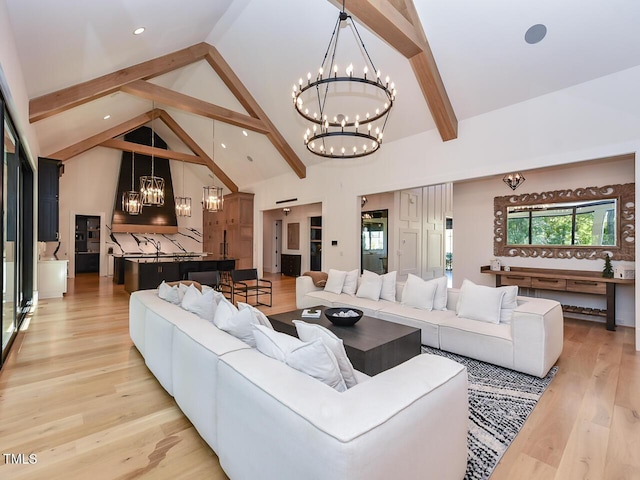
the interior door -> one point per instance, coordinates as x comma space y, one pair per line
277, 247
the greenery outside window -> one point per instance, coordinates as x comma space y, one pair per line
591, 224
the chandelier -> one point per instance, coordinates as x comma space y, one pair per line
183, 204
131, 203
152, 187
212, 197
322, 101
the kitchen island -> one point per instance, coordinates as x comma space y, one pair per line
148, 272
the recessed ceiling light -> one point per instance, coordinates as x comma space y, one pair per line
106, 117
223, 145
244, 132
535, 34
138, 30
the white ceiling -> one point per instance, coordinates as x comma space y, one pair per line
479, 48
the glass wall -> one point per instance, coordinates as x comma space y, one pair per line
17, 232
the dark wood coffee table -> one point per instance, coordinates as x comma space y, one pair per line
372, 345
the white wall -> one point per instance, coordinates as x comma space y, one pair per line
473, 228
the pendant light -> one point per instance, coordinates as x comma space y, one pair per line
131, 203
183, 204
212, 197
152, 187
346, 113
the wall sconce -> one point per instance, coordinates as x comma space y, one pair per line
363, 201
286, 211
513, 180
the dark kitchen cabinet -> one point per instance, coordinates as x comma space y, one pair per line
144, 274
48, 198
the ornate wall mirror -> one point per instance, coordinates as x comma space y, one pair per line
582, 223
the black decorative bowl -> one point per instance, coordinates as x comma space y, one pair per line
333, 315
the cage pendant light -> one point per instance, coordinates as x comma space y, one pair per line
183, 204
212, 196
131, 203
152, 187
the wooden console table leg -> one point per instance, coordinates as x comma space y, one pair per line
611, 306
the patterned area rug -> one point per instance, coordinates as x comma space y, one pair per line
500, 400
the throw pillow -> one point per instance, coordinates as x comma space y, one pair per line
370, 286
478, 302
260, 317
319, 278
335, 281
169, 293
418, 294
308, 332
388, 291
316, 360
350, 282
312, 358
186, 283
202, 304
240, 325
509, 303
274, 344
224, 311
440, 297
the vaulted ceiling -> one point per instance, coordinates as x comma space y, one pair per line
475, 61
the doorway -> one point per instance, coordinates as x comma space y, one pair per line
374, 246
87, 244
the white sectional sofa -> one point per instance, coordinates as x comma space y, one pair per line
531, 343
266, 420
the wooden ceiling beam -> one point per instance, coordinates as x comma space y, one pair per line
233, 83
67, 98
404, 32
195, 148
151, 151
95, 140
184, 102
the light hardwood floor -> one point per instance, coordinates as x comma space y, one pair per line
75, 392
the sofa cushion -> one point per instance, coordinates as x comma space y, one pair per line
488, 342
308, 332
335, 281
427, 321
418, 293
202, 304
478, 302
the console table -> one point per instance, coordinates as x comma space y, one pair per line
576, 281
